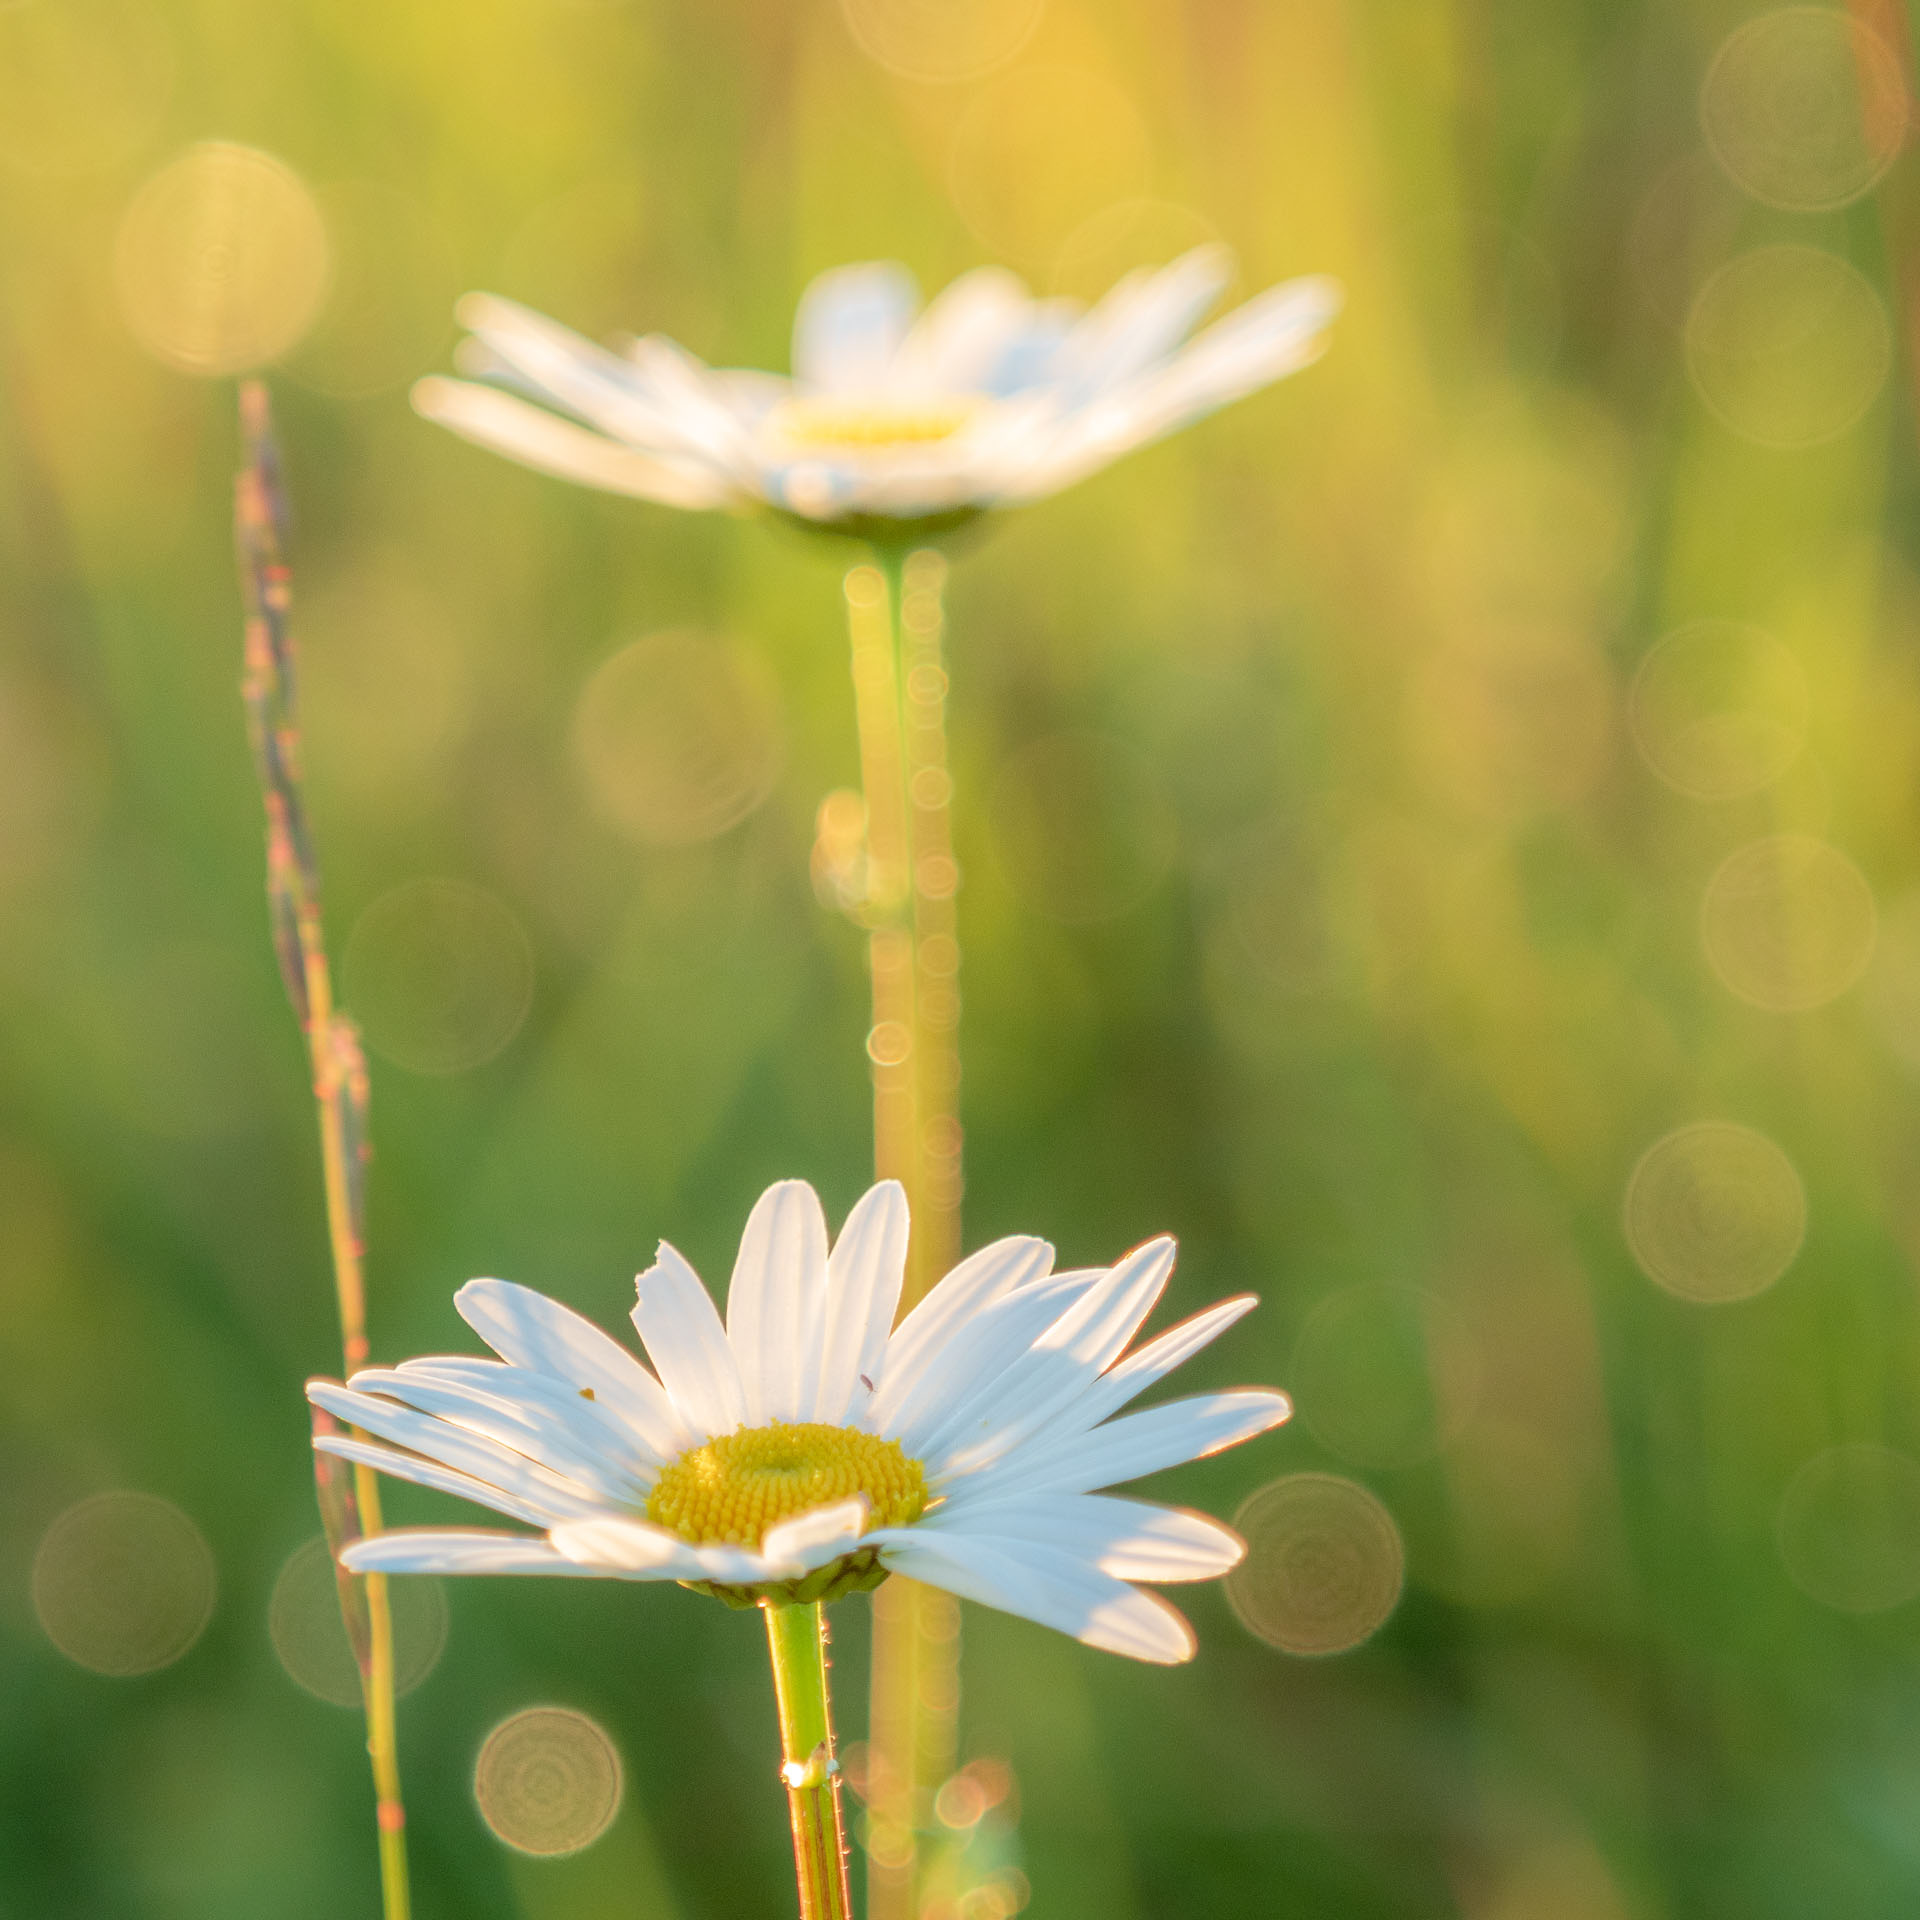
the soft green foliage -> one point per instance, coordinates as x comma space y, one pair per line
1319, 908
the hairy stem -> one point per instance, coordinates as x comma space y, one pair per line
797, 1644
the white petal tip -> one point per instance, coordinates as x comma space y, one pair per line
475, 310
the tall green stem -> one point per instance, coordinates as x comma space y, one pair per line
797, 1644
896, 620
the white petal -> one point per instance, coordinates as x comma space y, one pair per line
1276, 333
958, 341
602, 388
848, 324
533, 1331
594, 1422
1130, 1539
1141, 319
536, 1511
1139, 1371
556, 1428
1137, 1444
435, 1550
677, 1320
922, 1337
628, 1547
1060, 1365
810, 1540
776, 1303
864, 1277
541, 440
979, 1353
1043, 1584
469, 1453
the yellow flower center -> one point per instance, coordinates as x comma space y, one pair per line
872, 423
731, 1490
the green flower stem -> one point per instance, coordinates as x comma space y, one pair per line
896, 620
797, 1644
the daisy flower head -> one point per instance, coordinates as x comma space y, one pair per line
808, 1447
895, 423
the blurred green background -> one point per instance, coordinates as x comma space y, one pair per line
1437, 837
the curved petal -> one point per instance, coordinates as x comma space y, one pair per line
864, 1277
980, 1352
681, 1329
602, 388
537, 1511
533, 1331
1136, 1444
776, 1302
1141, 1370
963, 335
1060, 1365
570, 1443
810, 1540
542, 440
1274, 334
1140, 320
594, 1422
1130, 1539
483, 1460
1041, 1583
630, 1548
922, 1337
848, 324
471, 1550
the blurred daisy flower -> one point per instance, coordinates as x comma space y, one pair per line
892, 425
804, 1450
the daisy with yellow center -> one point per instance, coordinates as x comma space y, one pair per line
895, 422
807, 1447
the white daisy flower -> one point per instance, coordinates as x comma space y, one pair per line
890, 424
809, 1447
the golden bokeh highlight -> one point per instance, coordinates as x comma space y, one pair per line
221, 262
439, 974
1081, 826
1788, 923
1384, 1376
82, 82
303, 1621
548, 1781
1788, 345
678, 738
1039, 153
941, 41
1714, 1212
1719, 709
1324, 1566
1849, 1528
123, 1583
1804, 108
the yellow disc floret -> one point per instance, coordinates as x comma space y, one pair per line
823, 422
731, 1490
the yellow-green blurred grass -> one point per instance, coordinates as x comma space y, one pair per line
1374, 961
